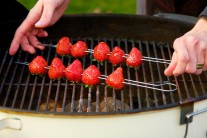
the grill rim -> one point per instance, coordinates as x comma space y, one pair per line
126, 112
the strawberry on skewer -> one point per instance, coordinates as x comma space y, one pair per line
38, 66
79, 49
91, 76
116, 79
63, 47
117, 56
74, 71
134, 58
101, 52
56, 69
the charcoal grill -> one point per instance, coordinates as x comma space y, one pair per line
23, 93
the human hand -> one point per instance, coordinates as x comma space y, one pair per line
44, 14
189, 51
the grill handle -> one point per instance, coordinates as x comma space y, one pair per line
189, 115
11, 123
178, 17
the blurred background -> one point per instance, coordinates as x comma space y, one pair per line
94, 6
142, 7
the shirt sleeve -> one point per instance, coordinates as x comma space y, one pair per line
204, 12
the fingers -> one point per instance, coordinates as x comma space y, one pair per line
179, 60
34, 41
26, 46
40, 16
42, 33
182, 57
24, 28
29, 42
15, 43
188, 53
191, 43
200, 57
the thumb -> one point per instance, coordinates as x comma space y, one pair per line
46, 17
169, 70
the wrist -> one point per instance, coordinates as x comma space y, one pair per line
201, 25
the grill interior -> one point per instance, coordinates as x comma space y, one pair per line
21, 91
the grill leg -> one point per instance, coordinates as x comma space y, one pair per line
141, 7
151, 7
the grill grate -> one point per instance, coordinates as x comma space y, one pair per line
21, 91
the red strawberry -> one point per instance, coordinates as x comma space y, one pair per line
91, 75
74, 71
134, 58
101, 52
116, 79
38, 66
63, 46
57, 69
78, 49
117, 56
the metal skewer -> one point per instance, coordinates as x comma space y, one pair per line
27, 63
153, 86
144, 58
149, 85
23, 63
150, 59
46, 45
156, 60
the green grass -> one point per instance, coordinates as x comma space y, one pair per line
94, 6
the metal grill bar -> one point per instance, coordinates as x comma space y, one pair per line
193, 84
3, 61
18, 85
98, 88
48, 96
32, 94
81, 99
145, 80
56, 97
6, 74
25, 92
139, 106
201, 86
129, 76
113, 68
73, 99
161, 46
151, 73
159, 72
122, 92
186, 88
41, 93
11, 82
